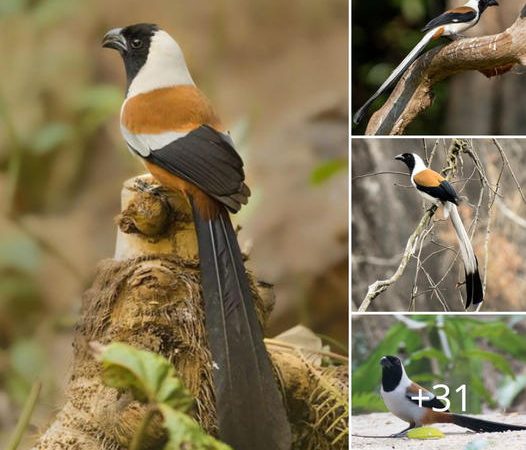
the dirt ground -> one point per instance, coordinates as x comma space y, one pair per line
385, 424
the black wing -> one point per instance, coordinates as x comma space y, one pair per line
444, 192
433, 403
206, 158
451, 17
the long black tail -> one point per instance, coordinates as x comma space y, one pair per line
250, 411
483, 426
395, 75
474, 290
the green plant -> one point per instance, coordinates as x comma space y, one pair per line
152, 381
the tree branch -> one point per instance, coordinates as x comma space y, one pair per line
491, 55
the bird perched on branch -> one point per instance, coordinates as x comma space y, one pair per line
434, 187
403, 398
449, 24
170, 124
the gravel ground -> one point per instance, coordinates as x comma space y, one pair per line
456, 438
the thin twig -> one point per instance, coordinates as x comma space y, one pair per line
25, 417
373, 174
503, 153
278, 343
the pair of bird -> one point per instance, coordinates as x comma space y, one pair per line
449, 24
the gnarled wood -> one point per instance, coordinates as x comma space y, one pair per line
149, 296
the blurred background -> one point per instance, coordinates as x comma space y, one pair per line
486, 353
384, 32
386, 210
277, 73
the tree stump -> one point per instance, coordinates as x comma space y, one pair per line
149, 296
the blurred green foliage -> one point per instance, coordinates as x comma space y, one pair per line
327, 170
47, 129
449, 350
383, 33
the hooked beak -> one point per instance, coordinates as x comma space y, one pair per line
399, 157
114, 39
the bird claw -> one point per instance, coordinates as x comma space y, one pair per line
399, 435
142, 186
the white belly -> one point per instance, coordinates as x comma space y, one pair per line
402, 408
458, 28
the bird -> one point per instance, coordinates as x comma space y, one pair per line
434, 187
172, 127
402, 397
449, 24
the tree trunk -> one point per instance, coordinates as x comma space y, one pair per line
149, 296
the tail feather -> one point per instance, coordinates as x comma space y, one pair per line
474, 290
250, 411
483, 426
395, 75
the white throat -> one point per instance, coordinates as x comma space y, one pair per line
164, 67
473, 4
419, 165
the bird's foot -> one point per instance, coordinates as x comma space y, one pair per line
143, 186
402, 433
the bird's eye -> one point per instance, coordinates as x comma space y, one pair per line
136, 43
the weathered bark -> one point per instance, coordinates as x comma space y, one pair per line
149, 296
491, 55
500, 101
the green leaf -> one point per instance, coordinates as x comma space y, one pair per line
501, 336
327, 170
430, 353
185, 433
425, 433
498, 361
476, 385
149, 376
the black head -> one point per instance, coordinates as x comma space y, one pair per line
483, 4
392, 371
408, 159
133, 43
